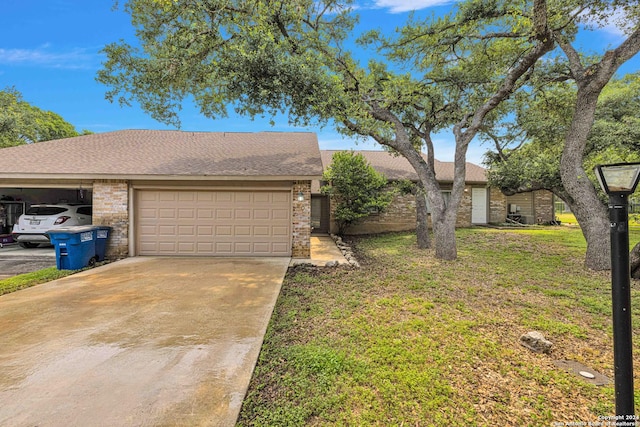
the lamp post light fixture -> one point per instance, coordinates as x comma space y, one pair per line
619, 181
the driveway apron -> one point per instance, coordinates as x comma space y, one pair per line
143, 341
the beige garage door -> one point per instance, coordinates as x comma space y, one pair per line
222, 223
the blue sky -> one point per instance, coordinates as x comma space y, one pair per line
49, 51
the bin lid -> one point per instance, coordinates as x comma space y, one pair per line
72, 229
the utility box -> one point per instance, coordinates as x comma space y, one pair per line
75, 246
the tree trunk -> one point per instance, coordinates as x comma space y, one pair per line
585, 204
422, 218
594, 223
444, 231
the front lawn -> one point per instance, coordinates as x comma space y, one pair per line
408, 340
27, 280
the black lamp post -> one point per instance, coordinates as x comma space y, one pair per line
619, 181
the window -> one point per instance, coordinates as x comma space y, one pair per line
85, 210
45, 210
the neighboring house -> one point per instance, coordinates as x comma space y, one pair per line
179, 193
479, 205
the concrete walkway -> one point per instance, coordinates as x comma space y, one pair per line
323, 250
143, 341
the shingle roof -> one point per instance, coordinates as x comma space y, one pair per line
136, 153
397, 167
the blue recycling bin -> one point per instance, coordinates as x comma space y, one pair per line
101, 236
75, 246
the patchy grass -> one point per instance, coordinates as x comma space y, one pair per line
22, 281
414, 341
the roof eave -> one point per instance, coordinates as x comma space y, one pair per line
83, 177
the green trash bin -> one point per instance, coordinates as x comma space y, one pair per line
75, 246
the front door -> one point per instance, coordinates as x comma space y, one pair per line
479, 205
319, 213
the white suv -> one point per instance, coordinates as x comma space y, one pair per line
32, 226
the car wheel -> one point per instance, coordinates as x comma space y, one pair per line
29, 245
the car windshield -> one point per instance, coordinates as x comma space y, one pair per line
45, 210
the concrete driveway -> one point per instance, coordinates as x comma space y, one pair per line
143, 341
15, 260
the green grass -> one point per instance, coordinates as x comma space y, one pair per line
22, 281
411, 340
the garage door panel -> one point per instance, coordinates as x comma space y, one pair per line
205, 196
261, 214
280, 214
280, 197
261, 231
223, 196
280, 248
243, 213
187, 230
205, 213
166, 247
224, 248
223, 214
262, 248
185, 196
148, 214
243, 197
242, 230
213, 222
205, 230
187, 247
186, 213
242, 248
262, 197
206, 247
166, 213
164, 230
167, 196
280, 231
224, 230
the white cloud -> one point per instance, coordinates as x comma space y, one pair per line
45, 57
399, 6
615, 23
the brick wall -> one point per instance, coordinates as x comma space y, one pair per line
543, 203
301, 220
464, 210
111, 207
400, 215
497, 206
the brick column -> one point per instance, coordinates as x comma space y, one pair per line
497, 206
543, 203
111, 207
464, 210
301, 220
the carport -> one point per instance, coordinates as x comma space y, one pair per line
14, 201
142, 341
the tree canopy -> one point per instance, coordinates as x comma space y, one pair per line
23, 123
543, 123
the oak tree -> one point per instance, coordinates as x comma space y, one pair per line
296, 57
